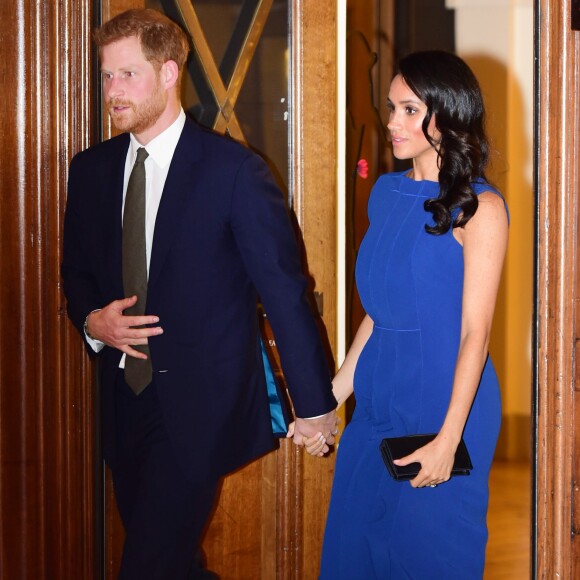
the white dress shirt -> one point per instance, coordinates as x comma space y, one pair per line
160, 150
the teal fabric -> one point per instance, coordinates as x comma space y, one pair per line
279, 426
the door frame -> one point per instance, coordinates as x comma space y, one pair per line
53, 435
556, 468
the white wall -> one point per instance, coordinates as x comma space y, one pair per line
496, 38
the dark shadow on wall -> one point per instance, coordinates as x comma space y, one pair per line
511, 338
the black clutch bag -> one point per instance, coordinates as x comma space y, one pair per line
397, 447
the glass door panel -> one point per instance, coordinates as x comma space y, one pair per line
237, 79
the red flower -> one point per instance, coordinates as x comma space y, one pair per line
362, 168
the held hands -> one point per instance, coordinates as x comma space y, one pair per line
436, 459
316, 445
111, 327
316, 435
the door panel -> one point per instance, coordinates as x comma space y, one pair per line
47, 509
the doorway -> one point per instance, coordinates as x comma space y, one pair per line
46, 392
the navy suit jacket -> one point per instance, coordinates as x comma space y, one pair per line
222, 238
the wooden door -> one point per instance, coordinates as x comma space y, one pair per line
260, 72
47, 501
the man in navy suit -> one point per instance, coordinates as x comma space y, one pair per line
217, 236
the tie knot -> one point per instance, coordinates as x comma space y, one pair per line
141, 155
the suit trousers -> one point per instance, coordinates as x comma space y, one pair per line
163, 513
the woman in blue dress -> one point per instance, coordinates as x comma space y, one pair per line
428, 273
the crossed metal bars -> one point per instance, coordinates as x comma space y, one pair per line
235, 63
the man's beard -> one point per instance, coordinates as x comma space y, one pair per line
140, 117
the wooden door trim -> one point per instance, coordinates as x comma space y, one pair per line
46, 422
313, 154
558, 126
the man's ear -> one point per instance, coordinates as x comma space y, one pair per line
169, 74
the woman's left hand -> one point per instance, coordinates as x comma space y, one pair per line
436, 459
315, 445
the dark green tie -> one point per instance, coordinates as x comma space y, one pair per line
137, 372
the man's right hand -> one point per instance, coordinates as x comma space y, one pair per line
318, 433
111, 327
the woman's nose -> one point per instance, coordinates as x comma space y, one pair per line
392, 122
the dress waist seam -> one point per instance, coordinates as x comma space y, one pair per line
397, 329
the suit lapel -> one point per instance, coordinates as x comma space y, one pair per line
113, 213
177, 194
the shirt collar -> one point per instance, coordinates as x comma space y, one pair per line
162, 147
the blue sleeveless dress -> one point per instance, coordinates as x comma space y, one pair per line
410, 283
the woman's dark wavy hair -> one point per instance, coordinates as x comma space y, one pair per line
452, 94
